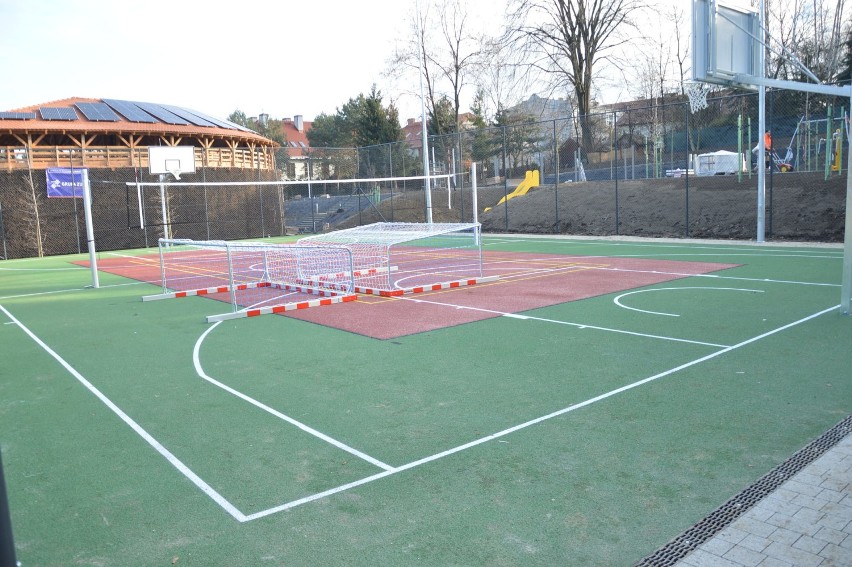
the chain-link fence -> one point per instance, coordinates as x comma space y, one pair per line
661, 170
632, 169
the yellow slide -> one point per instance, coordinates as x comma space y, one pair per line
531, 179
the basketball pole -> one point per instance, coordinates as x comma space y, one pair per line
846, 281
761, 151
7, 543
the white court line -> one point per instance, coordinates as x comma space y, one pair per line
716, 276
169, 456
531, 422
68, 290
200, 371
77, 268
580, 267
770, 254
752, 252
568, 323
617, 300
149, 251
505, 239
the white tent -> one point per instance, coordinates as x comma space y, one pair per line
720, 163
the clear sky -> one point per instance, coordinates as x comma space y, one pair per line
282, 57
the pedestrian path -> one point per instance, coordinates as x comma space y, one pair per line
806, 522
797, 515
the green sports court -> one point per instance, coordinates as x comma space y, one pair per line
588, 406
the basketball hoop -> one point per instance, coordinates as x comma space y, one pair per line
697, 93
173, 167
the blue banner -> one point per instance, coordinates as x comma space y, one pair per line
64, 182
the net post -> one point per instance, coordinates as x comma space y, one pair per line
473, 197
90, 231
163, 208
141, 207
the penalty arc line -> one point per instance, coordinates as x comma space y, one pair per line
617, 300
531, 422
306, 428
568, 323
168, 455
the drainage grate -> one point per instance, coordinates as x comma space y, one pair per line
721, 517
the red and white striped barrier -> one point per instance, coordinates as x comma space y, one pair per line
204, 291
282, 308
424, 288
331, 291
448, 285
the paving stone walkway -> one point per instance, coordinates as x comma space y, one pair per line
805, 522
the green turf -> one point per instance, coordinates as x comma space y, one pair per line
603, 484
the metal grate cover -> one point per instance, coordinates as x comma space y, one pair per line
721, 517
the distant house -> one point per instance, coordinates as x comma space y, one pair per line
412, 133
635, 121
295, 131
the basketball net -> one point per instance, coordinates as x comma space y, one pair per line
697, 93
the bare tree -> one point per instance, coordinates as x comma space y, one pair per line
564, 39
806, 32
449, 48
681, 44
461, 50
498, 78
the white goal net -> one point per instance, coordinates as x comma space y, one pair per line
254, 277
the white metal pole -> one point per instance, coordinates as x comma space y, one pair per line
846, 283
450, 184
427, 186
141, 209
473, 198
161, 245
90, 231
761, 151
166, 231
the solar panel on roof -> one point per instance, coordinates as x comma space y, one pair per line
97, 112
161, 113
17, 115
130, 111
221, 123
187, 115
58, 113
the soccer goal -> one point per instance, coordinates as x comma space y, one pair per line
397, 258
255, 278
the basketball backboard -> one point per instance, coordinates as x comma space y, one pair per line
725, 42
175, 160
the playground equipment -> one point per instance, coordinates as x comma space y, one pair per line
818, 143
531, 179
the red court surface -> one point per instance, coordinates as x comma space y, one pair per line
527, 281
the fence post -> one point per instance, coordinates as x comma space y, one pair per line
687, 110
556, 182
3, 234
614, 160
505, 182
